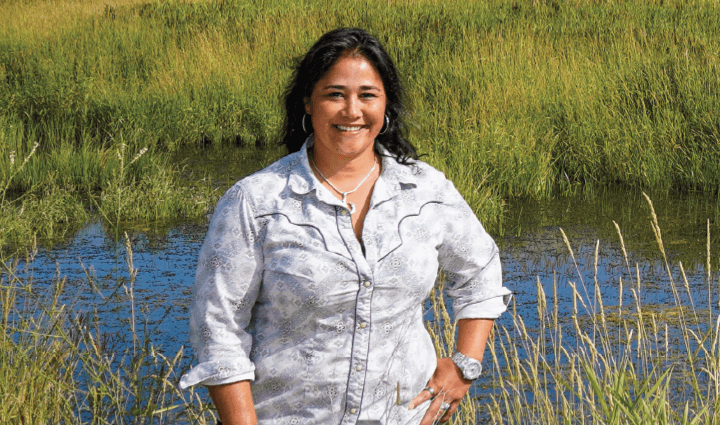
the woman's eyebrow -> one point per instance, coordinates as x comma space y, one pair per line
341, 87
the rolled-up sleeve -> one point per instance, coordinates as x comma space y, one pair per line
470, 261
227, 282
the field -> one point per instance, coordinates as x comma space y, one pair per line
508, 98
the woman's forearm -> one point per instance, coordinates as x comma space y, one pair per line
234, 403
473, 335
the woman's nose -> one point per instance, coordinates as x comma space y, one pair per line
352, 107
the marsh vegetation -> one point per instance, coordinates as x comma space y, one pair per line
106, 109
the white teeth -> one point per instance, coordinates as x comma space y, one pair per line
343, 128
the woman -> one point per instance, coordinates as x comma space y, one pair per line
309, 294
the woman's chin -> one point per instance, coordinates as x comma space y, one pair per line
351, 147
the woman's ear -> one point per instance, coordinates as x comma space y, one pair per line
308, 108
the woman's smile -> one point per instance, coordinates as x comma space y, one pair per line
348, 128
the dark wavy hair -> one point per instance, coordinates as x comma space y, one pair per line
318, 61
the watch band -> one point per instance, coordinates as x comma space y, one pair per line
470, 368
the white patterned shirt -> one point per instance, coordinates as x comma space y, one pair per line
286, 297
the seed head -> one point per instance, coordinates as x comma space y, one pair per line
139, 154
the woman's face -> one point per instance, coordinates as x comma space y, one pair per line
347, 107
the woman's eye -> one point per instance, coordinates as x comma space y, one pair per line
368, 95
335, 94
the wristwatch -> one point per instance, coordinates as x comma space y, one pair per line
471, 368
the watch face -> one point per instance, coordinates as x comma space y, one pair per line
472, 371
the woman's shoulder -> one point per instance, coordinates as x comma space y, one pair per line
426, 171
263, 187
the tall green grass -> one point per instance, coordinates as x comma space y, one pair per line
602, 361
522, 98
48, 189
611, 363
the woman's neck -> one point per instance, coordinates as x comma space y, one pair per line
343, 170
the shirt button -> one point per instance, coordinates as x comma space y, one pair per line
363, 325
366, 284
359, 368
353, 410
343, 212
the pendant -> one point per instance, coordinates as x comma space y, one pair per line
350, 205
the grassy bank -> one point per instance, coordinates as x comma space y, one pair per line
49, 188
520, 98
601, 362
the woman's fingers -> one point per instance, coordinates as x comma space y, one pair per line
421, 398
448, 388
450, 411
436, 413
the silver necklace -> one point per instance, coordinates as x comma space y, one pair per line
345, 194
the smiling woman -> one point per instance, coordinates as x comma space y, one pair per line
311, 281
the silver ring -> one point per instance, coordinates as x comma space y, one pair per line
445, 406
430, 390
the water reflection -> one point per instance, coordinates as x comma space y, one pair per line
533, 246
97, 280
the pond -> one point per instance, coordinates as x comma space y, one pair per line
533, 252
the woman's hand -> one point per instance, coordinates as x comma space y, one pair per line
449, 387
448, 382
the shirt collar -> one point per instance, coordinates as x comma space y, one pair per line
394, 177
302, 180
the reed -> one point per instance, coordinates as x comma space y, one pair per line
608, 362
49, 189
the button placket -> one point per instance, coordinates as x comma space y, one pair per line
361, 336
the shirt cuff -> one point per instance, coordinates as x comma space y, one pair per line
490, 308
218, 372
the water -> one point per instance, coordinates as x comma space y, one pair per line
97, 279
533, 247
531, 244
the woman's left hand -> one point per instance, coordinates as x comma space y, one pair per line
449, 387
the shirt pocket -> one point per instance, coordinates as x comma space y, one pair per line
410, 269
304, 285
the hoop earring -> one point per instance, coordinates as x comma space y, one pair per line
386, 126
303, 122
